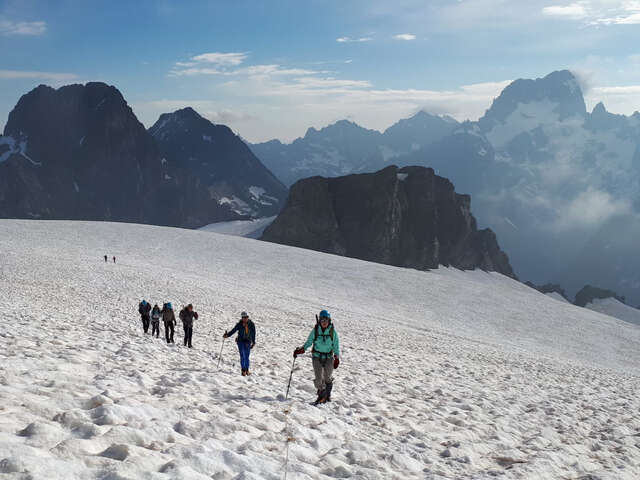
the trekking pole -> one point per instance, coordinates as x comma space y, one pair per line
220, 355
290, 375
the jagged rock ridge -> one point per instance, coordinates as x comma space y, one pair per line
217, 159
80, 153
407, 217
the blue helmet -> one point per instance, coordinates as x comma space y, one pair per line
169, 306
324, 314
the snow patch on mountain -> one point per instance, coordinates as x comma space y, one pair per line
615, 308
241, 228
557, 296
525, 117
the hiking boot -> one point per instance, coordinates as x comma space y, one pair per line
244, 373
248, 372
327, 391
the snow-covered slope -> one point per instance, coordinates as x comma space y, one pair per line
557, 296
241, 228
444, 374
615, 308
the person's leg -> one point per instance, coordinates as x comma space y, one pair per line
317, 370
173, 330
190, 335
328, 378
244, 355
186, 333
166, 331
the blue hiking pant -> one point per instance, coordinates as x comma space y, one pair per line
245, 350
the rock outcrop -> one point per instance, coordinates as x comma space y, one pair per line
80, 153
408, 217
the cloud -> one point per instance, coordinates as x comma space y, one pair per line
8, 27
598, 12
54, 77
574, 10
404, 36
217, 58
353, 40
590, 208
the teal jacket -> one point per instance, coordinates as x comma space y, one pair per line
325, 342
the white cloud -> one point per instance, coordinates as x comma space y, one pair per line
574, 10
8, 27
404, 36
590, 208
191, 71
352, 40
224, 59
54, 77
598, 12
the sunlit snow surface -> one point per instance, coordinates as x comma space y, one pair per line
445, 374
615, 308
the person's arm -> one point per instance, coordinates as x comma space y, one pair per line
253, 334
310, 339
336, 343
233, 330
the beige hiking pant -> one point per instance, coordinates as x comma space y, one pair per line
323, 369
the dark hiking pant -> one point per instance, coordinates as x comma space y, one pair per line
245, 350
168, 332
188, 332
155, 328
145, 323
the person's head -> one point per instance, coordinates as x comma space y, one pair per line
324, 317
189, 307
244, 316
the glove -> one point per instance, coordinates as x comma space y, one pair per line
252, 345
225, 335
298, 351
336, 362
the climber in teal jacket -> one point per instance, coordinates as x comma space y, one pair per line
325, 353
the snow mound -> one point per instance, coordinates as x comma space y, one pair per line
615, 308
444, 374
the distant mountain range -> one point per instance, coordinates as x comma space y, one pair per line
345, 147
559, 185
79, 152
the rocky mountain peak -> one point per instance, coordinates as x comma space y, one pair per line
560, 88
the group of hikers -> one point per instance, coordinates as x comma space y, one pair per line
114, 259
323, 340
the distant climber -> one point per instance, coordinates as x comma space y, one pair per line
187, 315
114, 259
144, 308
325, 355
155, 321
169, 320
246, 340
105, 259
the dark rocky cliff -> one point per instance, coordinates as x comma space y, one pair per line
80, 153
408, 217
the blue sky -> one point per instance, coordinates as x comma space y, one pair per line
271, 69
